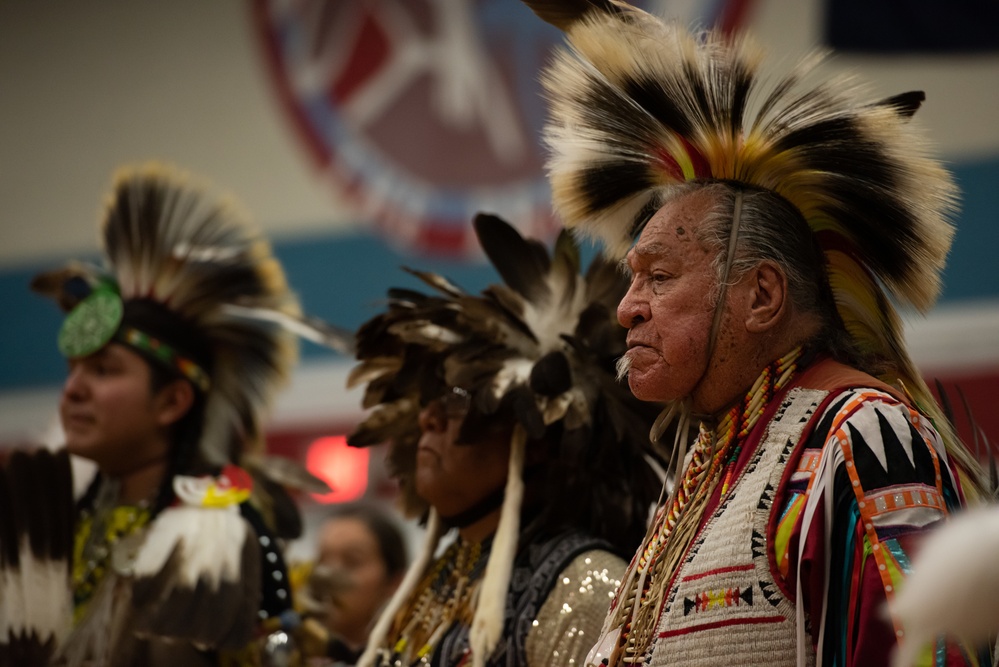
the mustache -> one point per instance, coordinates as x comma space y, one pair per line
623, 366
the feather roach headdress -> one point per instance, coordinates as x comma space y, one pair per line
190, 285
536, 353
639, 106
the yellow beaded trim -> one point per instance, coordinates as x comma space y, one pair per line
92, 553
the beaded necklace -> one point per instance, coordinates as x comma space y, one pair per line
443, 597
712, 461
97, 534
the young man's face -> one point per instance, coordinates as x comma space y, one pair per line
669, 308
108, 411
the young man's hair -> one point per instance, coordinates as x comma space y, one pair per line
185, 435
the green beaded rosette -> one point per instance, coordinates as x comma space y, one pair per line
92, 323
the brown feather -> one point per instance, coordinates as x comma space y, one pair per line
563, 14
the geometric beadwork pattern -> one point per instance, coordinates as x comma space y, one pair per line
726, 597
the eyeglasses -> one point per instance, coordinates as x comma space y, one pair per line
453, 405
456, 403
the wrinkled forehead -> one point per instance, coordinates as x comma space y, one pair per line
674, 230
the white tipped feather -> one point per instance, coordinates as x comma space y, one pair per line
954, 586
490, 612
413, 575
309, 328
186, 530
35, 598
46, 595
426, 333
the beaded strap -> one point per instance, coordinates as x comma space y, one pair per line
442, 597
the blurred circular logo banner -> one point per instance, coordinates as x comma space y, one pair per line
423, 112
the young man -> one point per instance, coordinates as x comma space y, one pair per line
775, 229
505, 417
173, 352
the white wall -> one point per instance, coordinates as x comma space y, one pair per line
90, 84
86, 86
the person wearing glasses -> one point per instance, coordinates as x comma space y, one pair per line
503, 412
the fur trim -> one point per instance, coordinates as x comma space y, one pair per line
953, 589
490, 612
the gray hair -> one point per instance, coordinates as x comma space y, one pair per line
771, 229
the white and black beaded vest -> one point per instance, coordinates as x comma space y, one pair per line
724, 606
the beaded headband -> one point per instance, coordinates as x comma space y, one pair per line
97, 320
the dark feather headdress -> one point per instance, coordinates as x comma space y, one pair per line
194, 287
640, 106
536, 352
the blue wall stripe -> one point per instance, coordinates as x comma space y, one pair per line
343, 279
972, 268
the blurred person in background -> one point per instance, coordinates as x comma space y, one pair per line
503, 412
360, 561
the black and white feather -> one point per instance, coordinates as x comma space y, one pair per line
36, 542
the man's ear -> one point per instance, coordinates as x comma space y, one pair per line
173, 402
768, 297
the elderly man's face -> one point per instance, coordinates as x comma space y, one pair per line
668, 308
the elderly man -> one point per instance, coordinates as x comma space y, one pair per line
776, 228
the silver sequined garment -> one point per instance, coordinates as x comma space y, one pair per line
568, 623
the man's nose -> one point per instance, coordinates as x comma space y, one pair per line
432, 419
75, 384
633, 309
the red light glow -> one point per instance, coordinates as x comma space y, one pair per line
344, 468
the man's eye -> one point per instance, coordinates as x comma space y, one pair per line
107, 368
